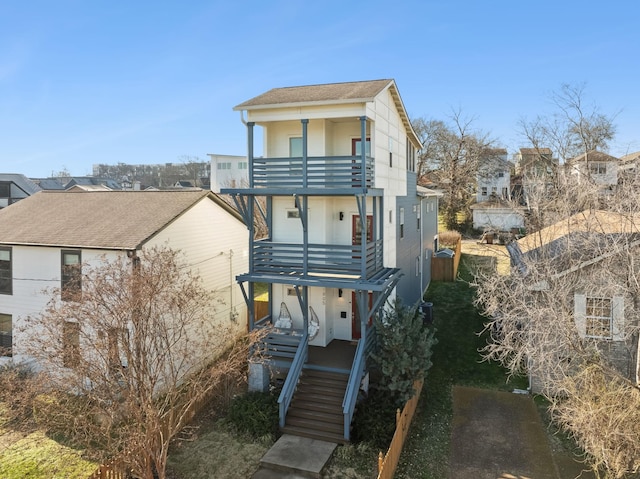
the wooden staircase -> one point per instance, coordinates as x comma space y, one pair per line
316, 408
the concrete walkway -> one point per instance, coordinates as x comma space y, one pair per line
293, 457
499, 435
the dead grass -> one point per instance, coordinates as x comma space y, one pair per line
482, 255
211, 450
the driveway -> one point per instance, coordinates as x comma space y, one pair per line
499, 435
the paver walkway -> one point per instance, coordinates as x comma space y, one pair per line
499, 435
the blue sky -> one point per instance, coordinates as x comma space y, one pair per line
91, 81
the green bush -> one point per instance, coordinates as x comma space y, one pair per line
403, 351
255, 413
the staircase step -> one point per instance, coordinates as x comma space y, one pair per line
334, 417
315, 373
323, 381
322, 436
317, 404
320, 391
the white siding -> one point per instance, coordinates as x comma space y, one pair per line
216, 245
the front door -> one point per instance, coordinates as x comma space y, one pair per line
356, 326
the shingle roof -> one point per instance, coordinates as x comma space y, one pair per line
593, 156
102, 220
331, 92
24, 183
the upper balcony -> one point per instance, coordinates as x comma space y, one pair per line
333, 172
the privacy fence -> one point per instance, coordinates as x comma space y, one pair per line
388, 462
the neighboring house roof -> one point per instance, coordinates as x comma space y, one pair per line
49, 183
593, 156
630, 158
566, 241
91, 180
426, 192
89, 188
100, 220
330, 93
21, 181
535, 151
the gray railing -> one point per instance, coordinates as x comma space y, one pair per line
290, 384
355, 378
271, 257
321, 172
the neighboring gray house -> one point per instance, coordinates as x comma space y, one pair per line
581, 250
14, 187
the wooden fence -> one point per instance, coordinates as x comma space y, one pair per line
388, 462
446, 269
112, 470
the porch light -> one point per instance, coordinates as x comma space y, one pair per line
341, 215
340, 293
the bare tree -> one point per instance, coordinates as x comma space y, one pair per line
567, 316
126, 360
450, 158
573, 128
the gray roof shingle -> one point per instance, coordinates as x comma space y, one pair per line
331, 92
101, 220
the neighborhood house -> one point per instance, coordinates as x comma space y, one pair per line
47, 238
347, 231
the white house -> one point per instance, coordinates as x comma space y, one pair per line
493, 209
42, 234
346, 226
596, 166
228, 171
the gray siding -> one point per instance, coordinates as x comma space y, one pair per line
408, 250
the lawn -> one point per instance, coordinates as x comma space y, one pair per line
33, 455
456, 360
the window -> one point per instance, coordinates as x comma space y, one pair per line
224, 166
598, 318
417, 265
243, 165
71, 285
401, 223
598, 168
356, 147
418, 219
6, 335
70, 344
390, 160
5, 189
484, 191
411, 156
6, 286
293, 214
501, 174
295, 147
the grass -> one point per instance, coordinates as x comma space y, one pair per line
456, 360
36, 456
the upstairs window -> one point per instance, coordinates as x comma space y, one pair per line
356, 147
6, 275
71, 274
484, 191
401, 223
6, 335
295, 147
598, 168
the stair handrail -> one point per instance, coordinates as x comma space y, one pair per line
290, 384
353, 386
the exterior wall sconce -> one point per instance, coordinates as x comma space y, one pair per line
340, 293
341, 216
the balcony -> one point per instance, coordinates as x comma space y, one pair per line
330, 261
318, 172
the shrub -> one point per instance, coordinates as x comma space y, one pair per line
448, 239
255, 413
403, 352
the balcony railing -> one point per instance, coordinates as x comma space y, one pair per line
318, 172
330, 260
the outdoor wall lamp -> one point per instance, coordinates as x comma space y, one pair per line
340, 293
341, 215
